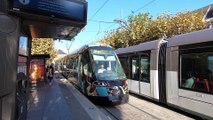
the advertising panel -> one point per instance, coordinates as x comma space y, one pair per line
37, 70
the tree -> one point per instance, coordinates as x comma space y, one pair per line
139, 26
44, 46
143, 28
115, 38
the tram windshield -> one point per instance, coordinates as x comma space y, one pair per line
106, 64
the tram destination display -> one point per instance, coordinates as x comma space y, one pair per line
65, 9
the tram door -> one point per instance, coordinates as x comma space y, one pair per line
134, 84
79, 71
145, 87
86, 72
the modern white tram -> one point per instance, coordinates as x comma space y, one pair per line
176, 72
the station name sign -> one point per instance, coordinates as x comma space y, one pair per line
65, 9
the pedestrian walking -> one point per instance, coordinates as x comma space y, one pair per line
46, 81
50, 74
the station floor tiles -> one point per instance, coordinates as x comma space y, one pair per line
61, 101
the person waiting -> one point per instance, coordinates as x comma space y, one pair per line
50, 74
101, 69
190, 81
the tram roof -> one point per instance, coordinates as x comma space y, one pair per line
191, 38
88, 46
97, 45
94, 45
141, 47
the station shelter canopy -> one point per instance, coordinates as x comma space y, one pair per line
58, 19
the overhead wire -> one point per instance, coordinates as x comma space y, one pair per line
90, 19
99, 9
101, 21
133, 12
142, 7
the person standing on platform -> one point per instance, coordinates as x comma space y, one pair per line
50, 74
46, 74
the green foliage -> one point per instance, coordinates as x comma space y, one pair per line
139, 26
143, 27
44, 46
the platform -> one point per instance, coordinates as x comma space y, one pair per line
61, 101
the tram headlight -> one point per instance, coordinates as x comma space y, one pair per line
125, 83
100, 83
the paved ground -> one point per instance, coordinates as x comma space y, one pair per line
61, 101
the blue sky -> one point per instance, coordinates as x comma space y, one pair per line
115, 9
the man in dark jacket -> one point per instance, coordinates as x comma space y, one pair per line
50, 74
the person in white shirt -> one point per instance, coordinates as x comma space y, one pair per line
101, 69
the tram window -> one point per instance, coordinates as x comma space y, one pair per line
196, 71
112, 67
125, 65
75, 64
86, 65
135, 69
108, 62
145, 69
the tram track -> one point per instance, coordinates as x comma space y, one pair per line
133, 112
138, 109
109, 114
